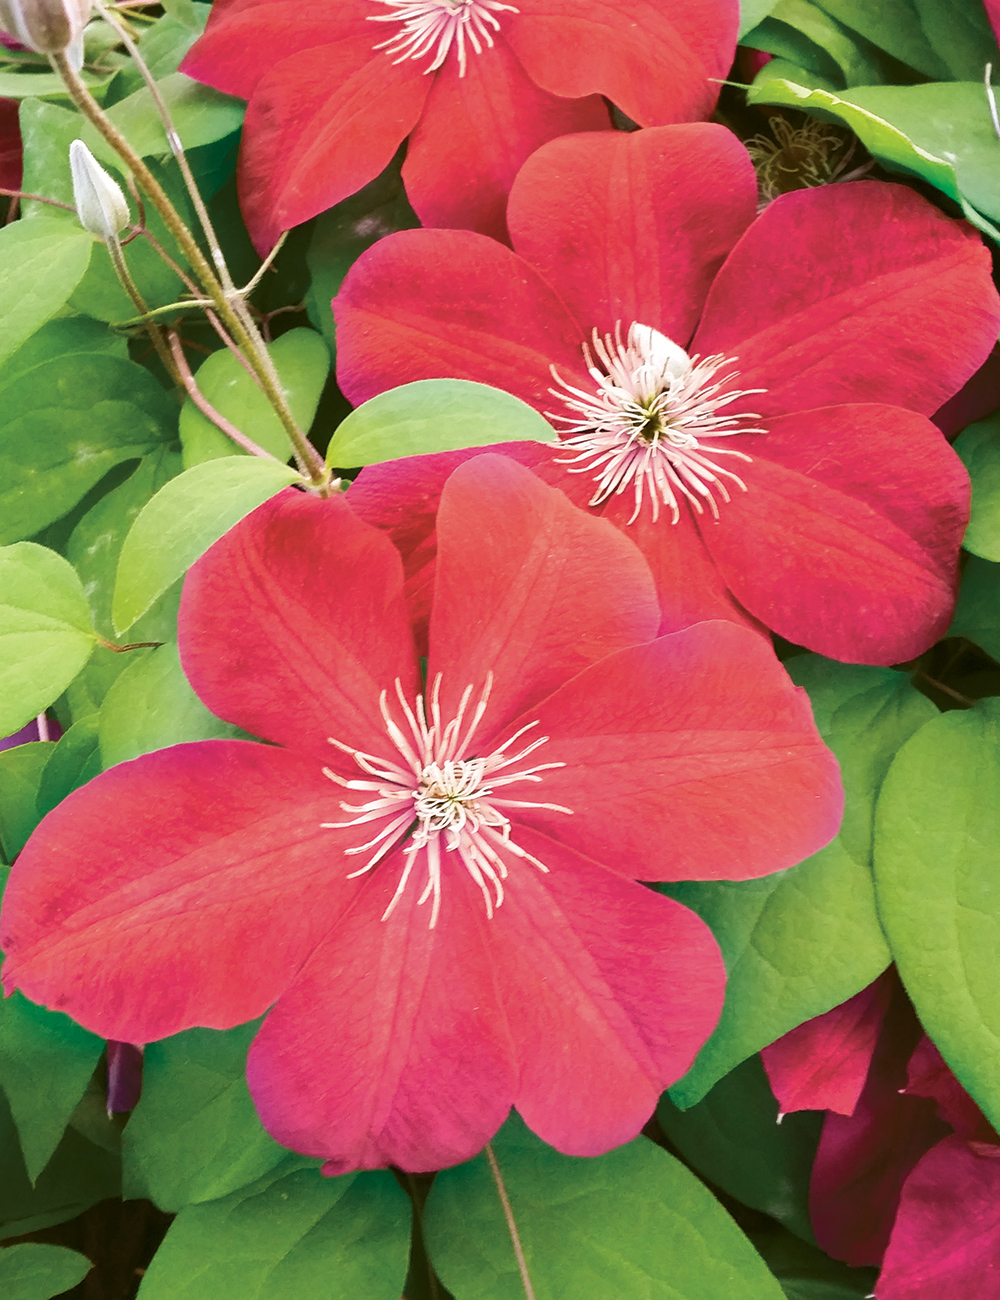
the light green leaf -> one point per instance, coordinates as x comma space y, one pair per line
45, 631
21, 771
937, 878
979, 448
184, 12
195, 1135
201, 115
302, 360
733, 1139
632, 1223
21, 85
46, 1061
291, 1235
151, 705
33, 1271
977, 615
829, 40
893, 26
41, 263
72, 763
752, 12
433, 415
182, 521
799, 942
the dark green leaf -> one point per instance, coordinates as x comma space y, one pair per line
893, 26
73, 761
21, 771
979, 448
41, 263
937, 878
186, 13
45, 631
32, 1271
182, 521
630, 1223
433, 415
291, 1235
733, 1138
802, 941
978, 613
805, 1273
303, 362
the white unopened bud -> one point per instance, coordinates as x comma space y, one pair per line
100, 203
47, 26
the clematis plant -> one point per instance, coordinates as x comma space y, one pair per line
473, 86
747, 399
433, 886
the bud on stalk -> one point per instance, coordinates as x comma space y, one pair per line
47, 26
100, 203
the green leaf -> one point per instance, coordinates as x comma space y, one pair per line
32, 1271
937, 879
151, 705
201, 116
302, 360
753, 12
292, 1234
22, 85
977, 615
734, 1139
45, 631
41, 263
182, 521
979, 448
21, 771
60, 338
805, 1273
833, 51
73, 761
433, 415
186, 13
195, 1135
799, 942
631, 1223
46, 1061
893, 26
63, 425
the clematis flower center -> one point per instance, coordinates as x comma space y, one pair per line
437, 25
431, 789
648, 427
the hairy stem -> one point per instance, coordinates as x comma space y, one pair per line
152, 329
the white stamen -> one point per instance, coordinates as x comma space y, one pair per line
645, 426
442, 792
440, 23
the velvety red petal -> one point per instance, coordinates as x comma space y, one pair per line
979, 397
676, 754
449, 304
823, 1064
475, 133
929, 1076
655, 59
608, 995
652, 216
853, 293
10, 144
528, 588
392, 1045
946, 1239
863, 1161
847, 538
245, 39
183, 888
320, 125
294, 622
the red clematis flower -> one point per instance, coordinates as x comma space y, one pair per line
436, 886
747, 399
474, 86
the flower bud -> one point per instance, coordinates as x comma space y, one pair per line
46, 26
100, 203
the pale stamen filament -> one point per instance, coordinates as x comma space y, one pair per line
441, 23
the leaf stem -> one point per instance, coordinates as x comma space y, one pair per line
508, 1212
154, 331
121, 649
36, 198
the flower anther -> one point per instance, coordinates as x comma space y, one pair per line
442, 790
644, 429
440, 23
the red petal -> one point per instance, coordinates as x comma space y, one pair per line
652, 217
10, 144
476, 132
946, 1239
823, 1064
292, 624
847, 539
929, 1076
437, 304
608, 996
528, 588
863, 1161
655, 59
392, 1046
978, 398
183, 888
677, 754
853, 293
321, 124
